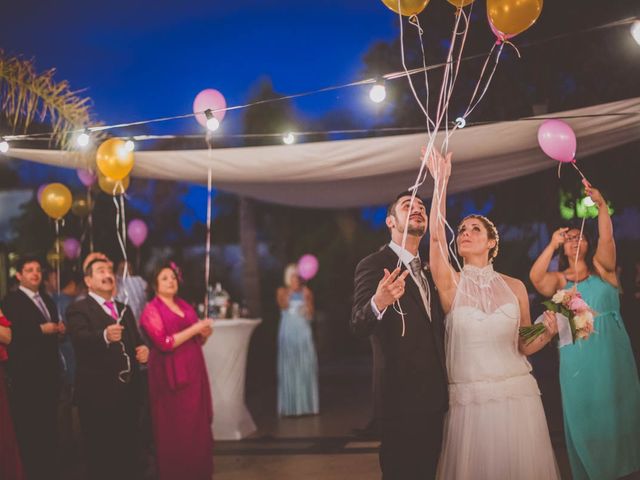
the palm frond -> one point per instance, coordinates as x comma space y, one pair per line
26, 95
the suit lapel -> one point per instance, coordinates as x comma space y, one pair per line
96, 311
410, 284
34, 308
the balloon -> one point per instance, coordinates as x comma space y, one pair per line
407, 7
499, 35
81, 206
209, 99
71, 248
107, 185
113, 159
460, 3
137, 232
308, 266
512, 17
55, 200
53, 258
87, 177
557, 140
39, 194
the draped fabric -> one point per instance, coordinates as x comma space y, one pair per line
370, 171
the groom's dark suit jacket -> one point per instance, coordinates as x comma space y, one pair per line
410, 370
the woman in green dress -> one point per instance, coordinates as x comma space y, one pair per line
598, 376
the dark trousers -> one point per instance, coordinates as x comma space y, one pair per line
410, 448
34, 411
110, 435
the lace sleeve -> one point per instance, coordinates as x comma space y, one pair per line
153, 325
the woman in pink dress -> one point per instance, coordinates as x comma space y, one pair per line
179, 393
10, 464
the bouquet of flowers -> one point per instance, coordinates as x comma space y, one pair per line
569, 306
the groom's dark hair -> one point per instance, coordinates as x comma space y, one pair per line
391, 209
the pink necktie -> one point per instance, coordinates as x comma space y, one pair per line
109, 304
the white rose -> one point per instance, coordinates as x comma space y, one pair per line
581, 320
559, 296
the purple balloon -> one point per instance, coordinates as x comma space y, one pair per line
556, 138
137, 232
87, 177
71, 248
209, 99
39, 194
308, 266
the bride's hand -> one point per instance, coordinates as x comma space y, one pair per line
550, 323
437, 164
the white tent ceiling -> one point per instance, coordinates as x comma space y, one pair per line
348, 173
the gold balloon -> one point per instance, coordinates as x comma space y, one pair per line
460, 3
109, 185
55, 200
53, 257
113, 159
407, 7
82, 206
512, 17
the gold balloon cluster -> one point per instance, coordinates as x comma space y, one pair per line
508, 17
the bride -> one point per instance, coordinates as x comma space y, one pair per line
495, 428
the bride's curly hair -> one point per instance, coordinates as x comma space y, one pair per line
492, 232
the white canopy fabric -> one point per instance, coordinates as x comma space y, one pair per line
370, 171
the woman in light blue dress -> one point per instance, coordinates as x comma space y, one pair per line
297, 360
598, 376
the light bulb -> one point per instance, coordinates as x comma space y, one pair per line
635, 31
461, 122
83, 139
4, 146
129, 145
289, 138
213, 124
378, 93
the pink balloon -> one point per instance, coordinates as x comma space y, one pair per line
308, 266
87, 177
209, 99
71, 248
137, 232
556, 138
39, 194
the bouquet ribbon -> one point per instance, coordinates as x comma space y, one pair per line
564, 329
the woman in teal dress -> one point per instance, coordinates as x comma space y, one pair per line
598, 376
297, 360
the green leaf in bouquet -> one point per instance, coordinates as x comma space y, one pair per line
554, 307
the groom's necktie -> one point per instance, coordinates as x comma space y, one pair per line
416, 269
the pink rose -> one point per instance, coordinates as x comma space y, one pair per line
577, 304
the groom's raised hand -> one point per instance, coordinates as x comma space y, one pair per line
390, 288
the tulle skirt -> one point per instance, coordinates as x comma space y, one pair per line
497, 431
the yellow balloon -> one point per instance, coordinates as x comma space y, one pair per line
113, 159
55, 200
512, 17
109, 185
407, 7
460, 3
53, 257
81, 206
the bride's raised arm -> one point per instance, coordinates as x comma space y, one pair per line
444, 276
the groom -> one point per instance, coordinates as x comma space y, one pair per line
408, 354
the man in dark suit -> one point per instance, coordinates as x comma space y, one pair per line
108, 350
408, 349
34, 370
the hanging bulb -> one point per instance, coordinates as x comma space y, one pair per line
4, 146
461, 122
212, 122
635, 31
83, 139
289, 138
378, 92
129, 145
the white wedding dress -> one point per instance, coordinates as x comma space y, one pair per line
496, 427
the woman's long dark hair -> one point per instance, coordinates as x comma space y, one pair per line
563, 260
